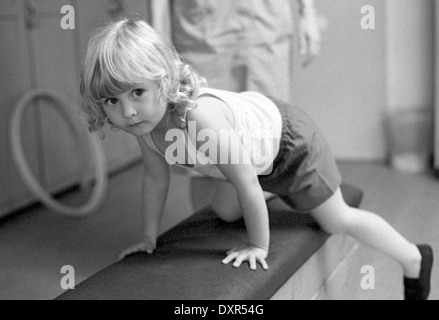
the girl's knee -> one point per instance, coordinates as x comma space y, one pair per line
225, 202
334, 216
226, 214
337, 223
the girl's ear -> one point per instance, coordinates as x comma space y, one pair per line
162, 95
164, 103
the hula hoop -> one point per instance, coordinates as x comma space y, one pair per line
65, 108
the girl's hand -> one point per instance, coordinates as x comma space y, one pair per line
249, 253
146, 245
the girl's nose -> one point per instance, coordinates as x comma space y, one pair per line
128, 111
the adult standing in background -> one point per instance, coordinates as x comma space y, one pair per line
241, 45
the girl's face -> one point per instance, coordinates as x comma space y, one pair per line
136, 111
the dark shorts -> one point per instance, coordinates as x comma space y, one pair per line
305, 174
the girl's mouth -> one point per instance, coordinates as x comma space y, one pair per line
137, 124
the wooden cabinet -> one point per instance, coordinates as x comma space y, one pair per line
35, 52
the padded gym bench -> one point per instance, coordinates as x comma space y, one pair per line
187, 264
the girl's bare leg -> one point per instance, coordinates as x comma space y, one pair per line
335, 216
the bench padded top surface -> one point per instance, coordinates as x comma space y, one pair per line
187, 263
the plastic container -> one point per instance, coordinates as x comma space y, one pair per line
410, 139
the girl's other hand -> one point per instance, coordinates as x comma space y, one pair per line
249, 253
146, 245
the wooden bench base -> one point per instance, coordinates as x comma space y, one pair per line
323, 267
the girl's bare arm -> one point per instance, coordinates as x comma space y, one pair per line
156, 179
155, 186
244, 178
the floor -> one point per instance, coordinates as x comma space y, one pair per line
35, 244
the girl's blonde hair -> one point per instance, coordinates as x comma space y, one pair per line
124, 54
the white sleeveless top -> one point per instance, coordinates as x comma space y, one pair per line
256, 120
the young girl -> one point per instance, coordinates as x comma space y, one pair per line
135, 81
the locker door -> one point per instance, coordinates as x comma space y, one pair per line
16, 76
55, 58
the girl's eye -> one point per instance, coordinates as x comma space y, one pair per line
111, 101
138, 92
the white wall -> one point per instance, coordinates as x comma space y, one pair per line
360, 73
410, 53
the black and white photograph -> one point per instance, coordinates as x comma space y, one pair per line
217, 155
